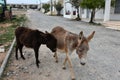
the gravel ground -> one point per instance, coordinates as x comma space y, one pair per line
103, 56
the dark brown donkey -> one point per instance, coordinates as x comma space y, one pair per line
68, 42
33, 39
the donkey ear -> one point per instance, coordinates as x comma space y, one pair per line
81, 35
90, 36
46, 32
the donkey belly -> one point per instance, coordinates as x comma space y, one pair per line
61, 50
28, 42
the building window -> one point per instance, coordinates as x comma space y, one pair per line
68, 12
117, 7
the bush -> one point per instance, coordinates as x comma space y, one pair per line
58, 7
46, 7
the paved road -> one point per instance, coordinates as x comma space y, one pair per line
103, 56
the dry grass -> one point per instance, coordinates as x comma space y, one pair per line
7, 29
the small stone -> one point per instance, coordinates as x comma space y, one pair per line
16, 65
47, 75
23, 53
40, 73
30, 72
26, 71
16, 74
8, 74
2, 49
25, 68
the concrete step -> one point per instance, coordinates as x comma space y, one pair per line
112, 25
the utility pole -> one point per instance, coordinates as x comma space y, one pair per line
40, 4
107, 10
5, 3
51, 7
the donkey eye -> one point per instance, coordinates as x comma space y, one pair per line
81, 50
55, 49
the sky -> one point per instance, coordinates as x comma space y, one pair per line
26, 1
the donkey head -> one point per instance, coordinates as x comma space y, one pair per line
51, 42
83, 46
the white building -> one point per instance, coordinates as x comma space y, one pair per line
109, 13
69, 10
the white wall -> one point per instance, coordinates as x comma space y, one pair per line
85, 13
69, 9
114, 16
100, 14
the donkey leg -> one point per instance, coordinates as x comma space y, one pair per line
16, 52
64, 63
36, 49
71, 68
54, 54
20, 48
56, 57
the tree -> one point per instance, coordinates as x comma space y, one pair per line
76, 4
113, 3
58, 7
46, 7
93, 5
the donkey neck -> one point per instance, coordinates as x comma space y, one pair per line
72, 40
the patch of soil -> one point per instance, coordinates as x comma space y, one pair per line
2, 31
2, 56
18, 12
4, 25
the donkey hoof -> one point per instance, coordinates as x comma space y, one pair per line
38, 61
23, 58
73, 78
53, 55
16, 58
64, 67
56, 61
37, 65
